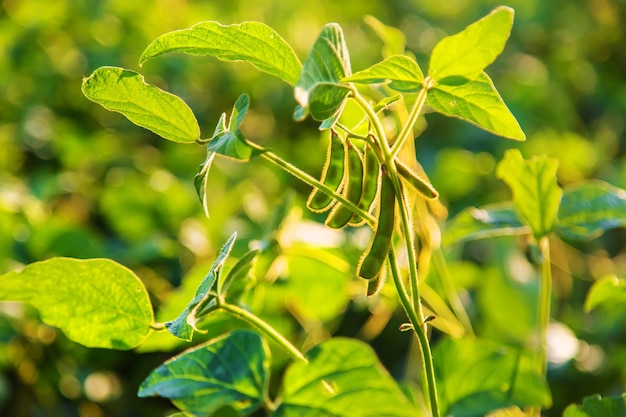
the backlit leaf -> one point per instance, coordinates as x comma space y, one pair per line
403, 72
608, 290
230, 370
476, 101
470, 51
343, 379
595, 406
253, 42
95, 302
126, 92
200, 181
536, 194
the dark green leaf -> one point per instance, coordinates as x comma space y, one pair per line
185, 324
403, 72
230, 370
343, 379
476, 101
590, 209
595, 406
536, 194
484, 222
470, 51
253, 42
125, 91
96, 302
319, 90
608, 290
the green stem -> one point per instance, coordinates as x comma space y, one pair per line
419, 328
413, 115
257, 322
448, 287
545, 297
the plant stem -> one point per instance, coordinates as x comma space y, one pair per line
545, 298
413, 115
448, 287
420, 330
264, 327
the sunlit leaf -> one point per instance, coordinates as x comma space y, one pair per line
95, 302
343, 379
470, 51
484, 222
200, 182
403, 72
253, 42
126, 92
596, 406
230, 370
536, 194
185, 324
477, 376
608, 290
319, 90
508, 412
590, 209
476, 101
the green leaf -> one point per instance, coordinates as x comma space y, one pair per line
403, 72
590, 209
608, 290
200, 181
476, 101
343, 379
185, 324
469, 52
595, 406
477, 376
393, 38
95, 302
230, 140
235, 282
126, 92
253, 42
484, 222
319, 90
536, 194
230, 370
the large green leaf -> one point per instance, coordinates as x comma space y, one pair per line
230, 370
403, 72
536, 194
126, 92
96, 302
476, 101
608, 290
185, 324
319, 90
476, 376
590, 209
343, 379
595, 406
484, 222
253, 42
469, 52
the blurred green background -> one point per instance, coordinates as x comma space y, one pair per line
76, 180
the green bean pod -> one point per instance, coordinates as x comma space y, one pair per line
421, 185
333, 173
371, 184
373, 259
340, 215
375, 284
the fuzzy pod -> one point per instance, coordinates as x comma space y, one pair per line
333, 173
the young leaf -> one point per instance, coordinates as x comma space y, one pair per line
596, 406
403, 72
589, 210
319, 90
230, 140
536, 194
230, 370
185, 324
200, 181
484, 222
126, 92
476, 101
95, 302
469, 52
344, 379
608, 290
253, 42
478, 376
